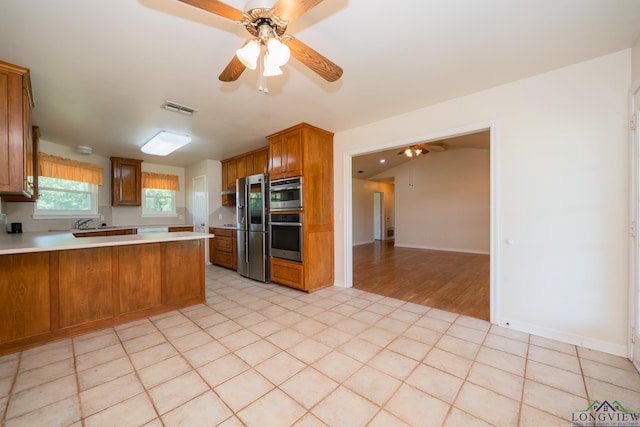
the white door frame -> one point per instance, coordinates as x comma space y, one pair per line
634, 214
379, 223
494, 251
205, 223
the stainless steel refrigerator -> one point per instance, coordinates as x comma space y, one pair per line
252, 205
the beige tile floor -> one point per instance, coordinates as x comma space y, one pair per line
266, 355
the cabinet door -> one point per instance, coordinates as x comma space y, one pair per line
139, 276
85, 284
126, 182
180, 284
232, 175
212, 247
292, 158
287, 273
241, 167
16, 144
24, 295
33, 177
225, 174
260, 161
276, 152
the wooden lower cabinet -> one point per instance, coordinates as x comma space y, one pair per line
24, 296
288, 273
85, 285
183, 268
178, 228
223, 248
139, 277
48, 295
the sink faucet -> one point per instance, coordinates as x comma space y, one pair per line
81, 223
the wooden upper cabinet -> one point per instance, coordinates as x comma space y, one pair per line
241, 167
35, 135
126, 182
251, 163
260, 160
225, 168
232, 175
16, 143
285, 152
276, 169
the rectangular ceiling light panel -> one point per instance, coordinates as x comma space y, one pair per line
165, 143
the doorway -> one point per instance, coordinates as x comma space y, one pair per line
379, 223
450, 276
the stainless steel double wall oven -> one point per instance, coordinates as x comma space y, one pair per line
286, 218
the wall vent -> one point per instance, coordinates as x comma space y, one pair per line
178, 108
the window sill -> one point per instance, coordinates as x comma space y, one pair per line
159, 215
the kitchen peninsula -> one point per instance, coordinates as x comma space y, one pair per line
53, 285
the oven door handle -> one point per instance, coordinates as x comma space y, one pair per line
285, 187
288, 224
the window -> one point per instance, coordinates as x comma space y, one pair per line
159, 194
63, 197
158, 202
67, 188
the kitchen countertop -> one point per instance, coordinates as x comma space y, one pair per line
56, 241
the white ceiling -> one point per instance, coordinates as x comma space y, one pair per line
102, 69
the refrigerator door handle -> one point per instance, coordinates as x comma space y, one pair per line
245, 219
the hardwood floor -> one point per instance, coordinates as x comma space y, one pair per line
452, 281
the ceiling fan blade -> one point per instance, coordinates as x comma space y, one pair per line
218, 8
232, 71
312, 59
289, 10
434, 146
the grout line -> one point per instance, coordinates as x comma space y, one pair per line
524, 381
77, 377
135, 372
10, 392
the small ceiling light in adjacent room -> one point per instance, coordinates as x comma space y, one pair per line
414, 151
165, 143
382, 161
83, 149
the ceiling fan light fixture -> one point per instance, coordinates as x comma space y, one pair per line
249, 53
414, 151
271, 67
279, 52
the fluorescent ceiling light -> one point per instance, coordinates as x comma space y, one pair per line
165, 143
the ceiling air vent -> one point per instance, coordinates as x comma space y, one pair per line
178, 108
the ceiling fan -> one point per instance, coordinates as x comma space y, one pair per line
418, 149
270, 47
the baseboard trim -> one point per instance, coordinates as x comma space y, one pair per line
436, 248
569, 338
363, 243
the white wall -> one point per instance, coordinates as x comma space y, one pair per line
118, 215
212, 169
363, 208
443, 202
561, 167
